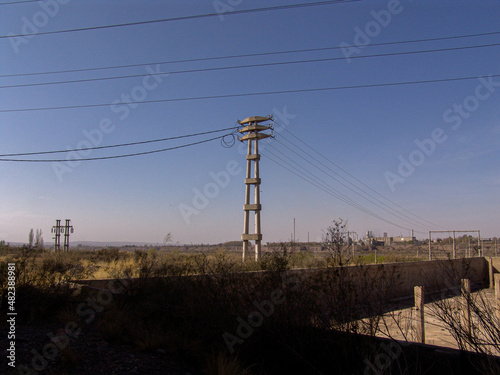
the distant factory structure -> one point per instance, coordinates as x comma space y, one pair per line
385, 240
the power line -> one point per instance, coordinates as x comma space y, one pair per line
20, 2
115, 156
249, 66
254, 94
313, 179
245, 55
329, 190
183, 18
358, 180
354, 185
118, 145
397, 214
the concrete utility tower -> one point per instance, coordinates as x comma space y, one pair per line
66, 230
253, 129
57, 237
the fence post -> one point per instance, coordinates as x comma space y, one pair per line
465, 291
497, 293
492, 273
419, 308
497, 286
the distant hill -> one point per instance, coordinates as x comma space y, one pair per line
112, 243
72, 244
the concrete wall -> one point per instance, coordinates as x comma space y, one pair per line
397, 280
493, 268
438, 275
496, 264
391, 280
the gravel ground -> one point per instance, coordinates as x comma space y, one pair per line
89, 353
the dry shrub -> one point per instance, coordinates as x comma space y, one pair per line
222, 364
44, 282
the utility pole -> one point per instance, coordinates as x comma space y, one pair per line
252, 127
293, 230
57, 235
430, 241
454, 247
454, 240
293, 243
480, 250
66, 231
347, 249
353, 243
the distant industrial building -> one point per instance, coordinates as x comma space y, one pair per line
386, 240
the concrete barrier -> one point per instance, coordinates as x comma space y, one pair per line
391, 280
495, 263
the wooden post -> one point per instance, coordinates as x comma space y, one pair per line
419, 308
497, 286
454, 247
430, 241
479, 243
492, 274
465, 289
497, 293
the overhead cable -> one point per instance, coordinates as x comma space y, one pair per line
387, 209
329, 190
114, 156
183, 18
356, 179
247, 66
276, 92
246, 55
20, 2
119, 145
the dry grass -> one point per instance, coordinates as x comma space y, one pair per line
222, 364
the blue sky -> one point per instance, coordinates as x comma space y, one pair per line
453, 183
